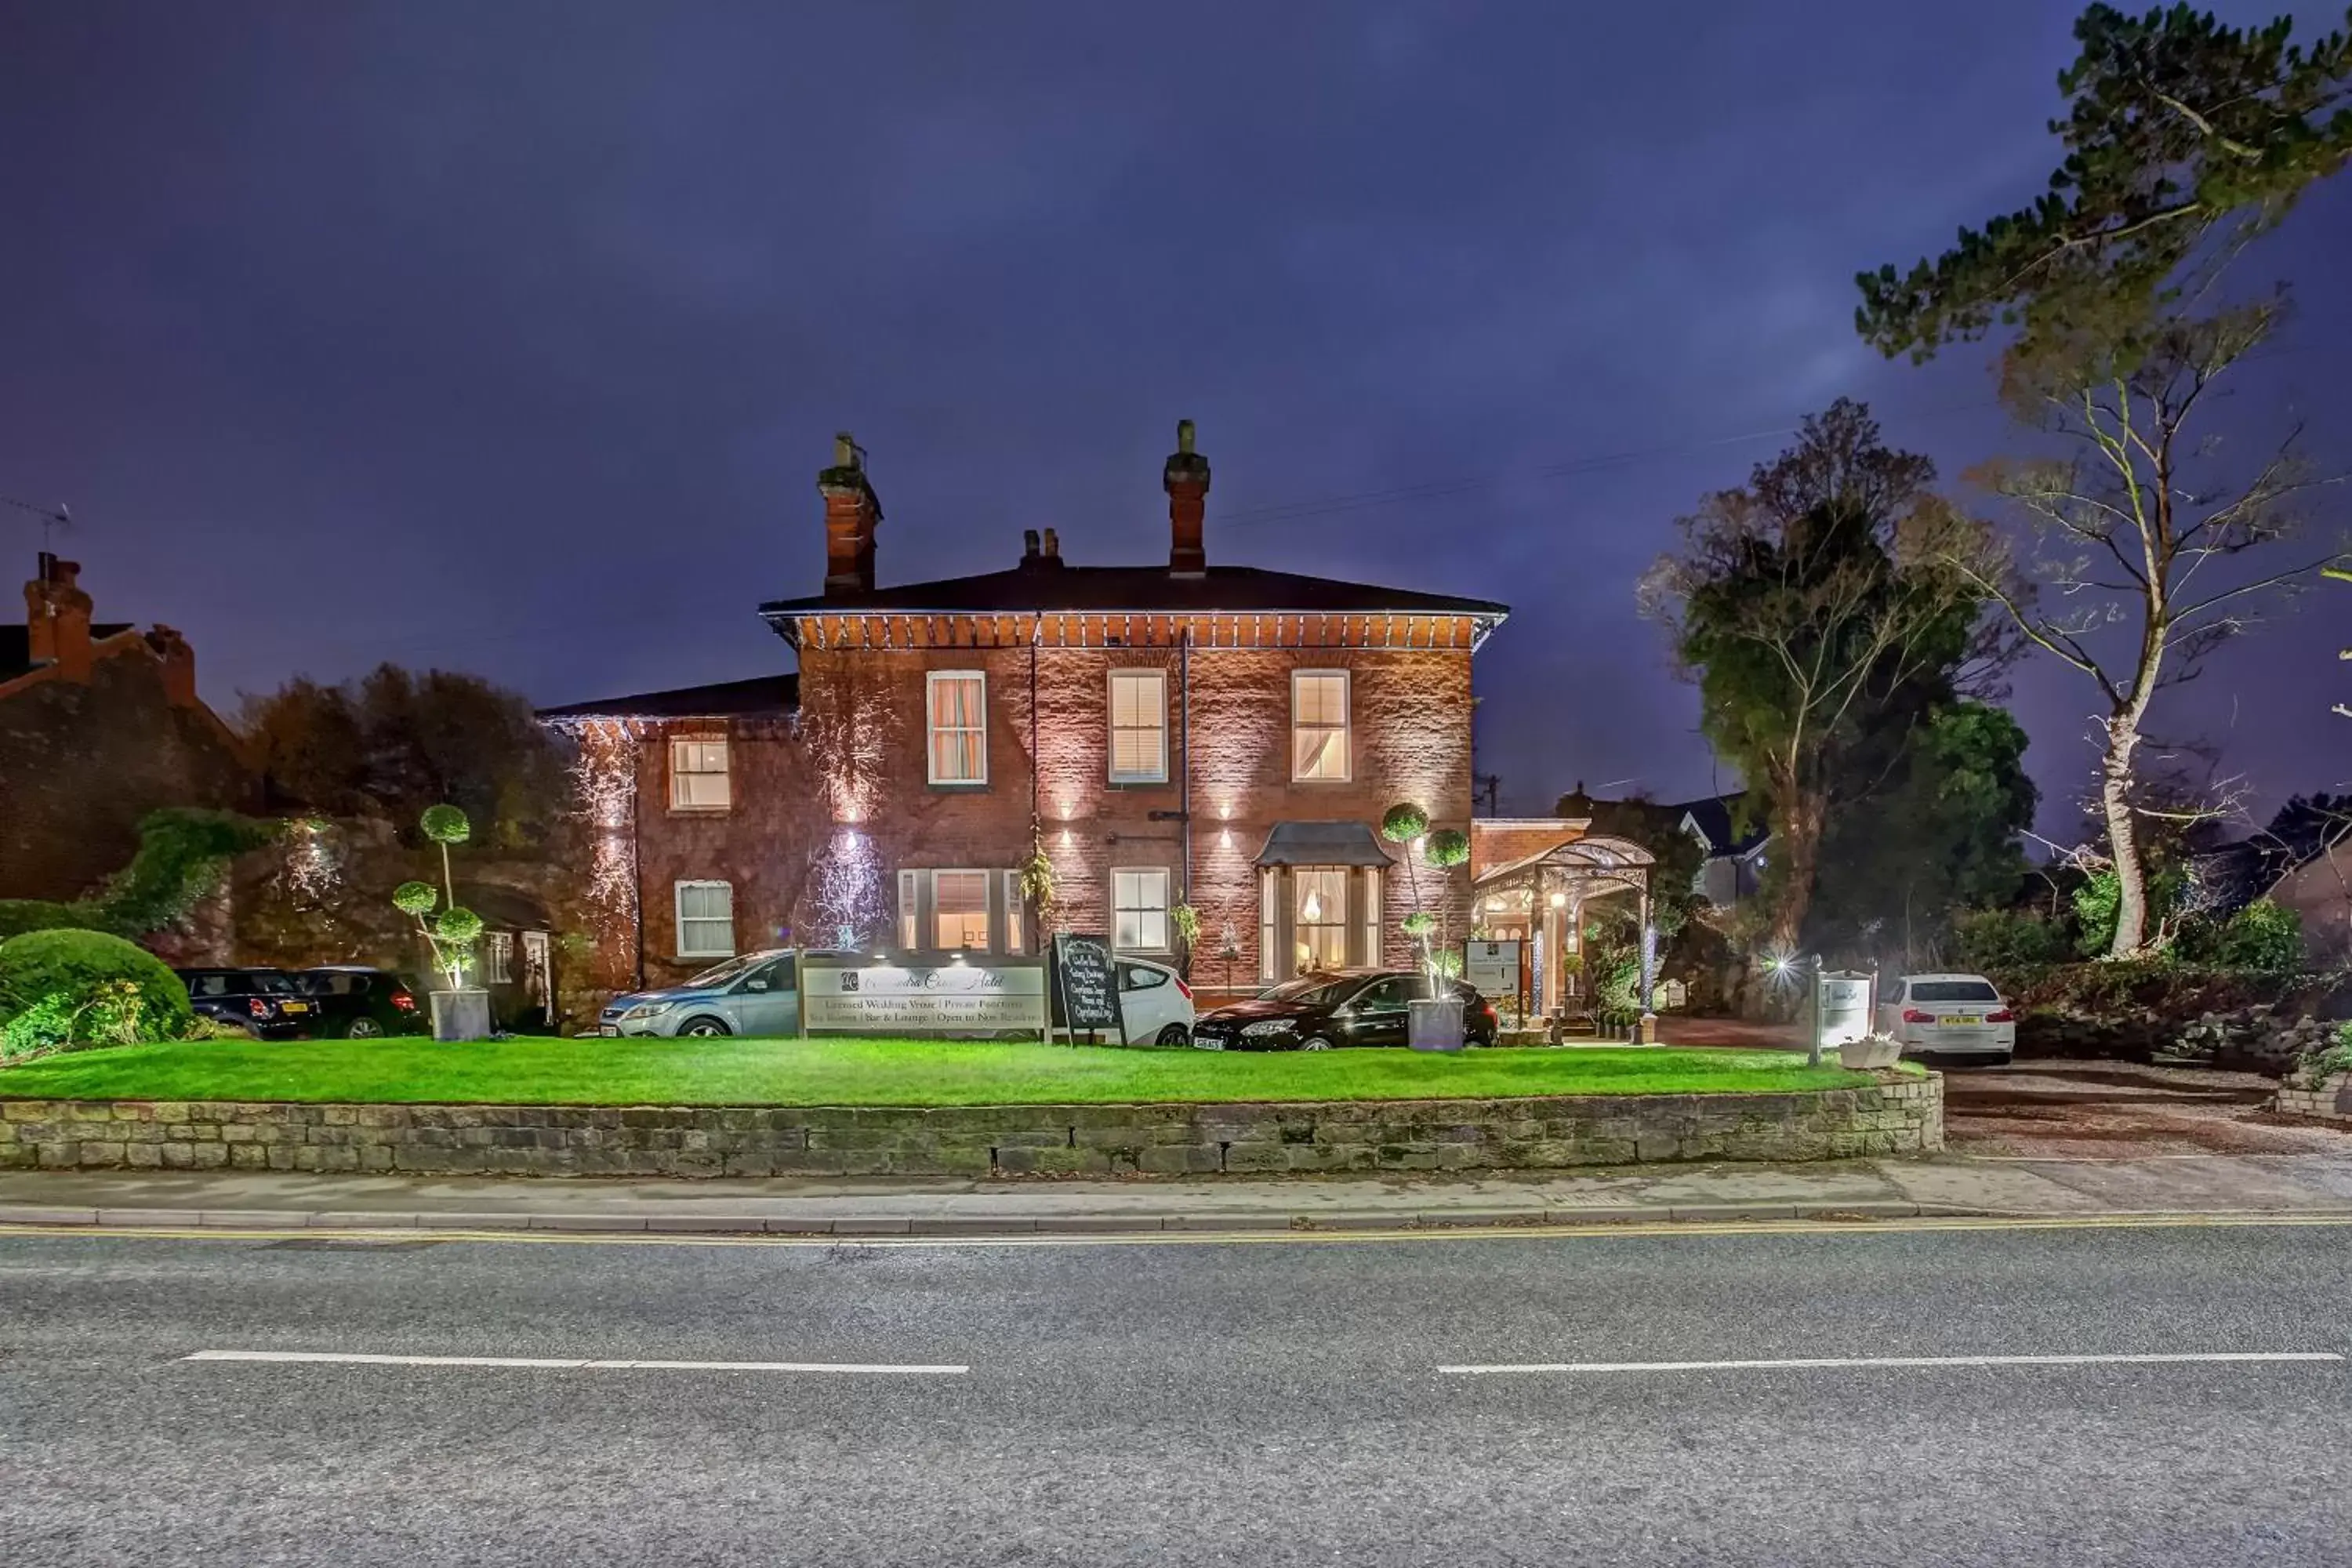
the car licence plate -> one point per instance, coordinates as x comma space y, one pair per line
1961, 1018
294, 1007
609, 1030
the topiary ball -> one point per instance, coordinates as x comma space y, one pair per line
457, 923
1420, 923
415, 898
1448, 846
445, 824
1404, 823
78, 965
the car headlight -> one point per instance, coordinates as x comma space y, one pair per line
648, 1009
1267, 1026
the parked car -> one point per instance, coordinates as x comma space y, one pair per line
356, 1002
1154, 1003
1341, 1007
1956, 1015
266, 1003
756, 994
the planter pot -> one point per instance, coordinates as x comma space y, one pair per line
1876, 1052
461, 1014
1435, 1025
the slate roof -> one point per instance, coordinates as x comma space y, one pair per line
17, 646
762, 695
1246, 590
1713, 816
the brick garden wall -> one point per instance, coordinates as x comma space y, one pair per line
1898, 1116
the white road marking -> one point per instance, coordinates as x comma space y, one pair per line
1912, 1361
570, 1364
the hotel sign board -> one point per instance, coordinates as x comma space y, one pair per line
916, 994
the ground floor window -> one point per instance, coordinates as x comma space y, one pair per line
955, 909
1139, 900
1317, 917
706, 919
497, 958
1320, 929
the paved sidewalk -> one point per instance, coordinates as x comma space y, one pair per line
2217, 1184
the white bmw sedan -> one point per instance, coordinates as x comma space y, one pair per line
1956, 1015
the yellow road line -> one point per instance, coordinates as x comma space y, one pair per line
1688, 1229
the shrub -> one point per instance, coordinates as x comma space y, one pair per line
44, 1026
2006, 940
75, 968
2264, 937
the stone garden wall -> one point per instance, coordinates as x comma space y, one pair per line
1899, 1115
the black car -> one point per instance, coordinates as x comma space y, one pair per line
1341, 1007
266, 1003
356, 1002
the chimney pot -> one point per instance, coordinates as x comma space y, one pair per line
1186, 480
1053, 547
1028, 544
57, 619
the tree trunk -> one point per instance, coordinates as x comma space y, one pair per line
2123, 836
1799, 849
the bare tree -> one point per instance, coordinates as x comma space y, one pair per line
2131, 582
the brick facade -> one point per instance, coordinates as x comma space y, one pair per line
832, 801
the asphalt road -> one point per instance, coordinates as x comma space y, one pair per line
1244, 1403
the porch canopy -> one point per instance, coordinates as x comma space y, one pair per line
1546, 891
1322, 844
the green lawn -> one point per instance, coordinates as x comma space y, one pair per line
869, 1072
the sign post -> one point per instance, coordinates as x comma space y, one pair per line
1492, 968
1085, 984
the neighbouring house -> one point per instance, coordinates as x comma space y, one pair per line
1165, 735
1736, 845
2304, 863
100, 724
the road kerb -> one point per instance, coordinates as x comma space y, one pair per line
973, 1225
251, 1219
1095, 1224
718, 1224
18, 1214
362, 1219
617, 1222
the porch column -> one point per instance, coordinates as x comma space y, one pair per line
1646, 1030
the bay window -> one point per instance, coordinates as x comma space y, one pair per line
959, 909
1320, 921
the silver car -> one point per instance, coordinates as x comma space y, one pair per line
756, 994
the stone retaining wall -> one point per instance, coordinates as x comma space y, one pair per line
2329, 1101
1899, 1115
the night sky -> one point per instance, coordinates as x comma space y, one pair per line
511, 338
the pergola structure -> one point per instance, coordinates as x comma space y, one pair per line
1541, 896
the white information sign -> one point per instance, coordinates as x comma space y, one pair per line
1843, 1004
924, 998
1493, 967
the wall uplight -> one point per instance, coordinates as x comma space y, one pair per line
1559, 901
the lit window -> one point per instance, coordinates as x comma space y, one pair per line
1015, 925
1140, 911
1320, 918
911, 913
1139, 726
959, 699
706, 919
497, 958
1265, 906
1371, 875
697, 774
959, 909
1319, 724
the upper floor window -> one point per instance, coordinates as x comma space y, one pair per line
1140, 911
959, 726
697, 774
706, 919
1319, 724
1139, 726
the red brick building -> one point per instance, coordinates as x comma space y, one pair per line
1166, 735
100, 724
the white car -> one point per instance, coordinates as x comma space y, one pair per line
1956, 1015
1154, 1003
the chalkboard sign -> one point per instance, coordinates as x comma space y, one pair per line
1085, 984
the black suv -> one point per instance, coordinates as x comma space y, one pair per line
1338, 1007
266, 1003
356, 1002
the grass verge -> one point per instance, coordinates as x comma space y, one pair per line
871, 1072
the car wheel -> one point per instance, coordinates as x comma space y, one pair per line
363, 1028
1314, 1043
1174, 1034
704, 1026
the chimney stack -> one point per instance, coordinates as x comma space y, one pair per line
851, 512
1028, 547
1053, 552
57, 619
179, 665
1186, 481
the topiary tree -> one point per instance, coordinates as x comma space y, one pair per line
452, 933
85, 987
1446, 849
1404, 825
